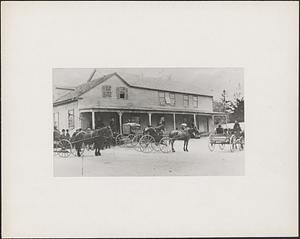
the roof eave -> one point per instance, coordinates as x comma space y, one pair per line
57, 103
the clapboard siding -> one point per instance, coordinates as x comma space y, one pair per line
138, 99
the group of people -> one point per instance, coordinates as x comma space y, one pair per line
236, 129
64, 134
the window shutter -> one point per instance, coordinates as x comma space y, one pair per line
103, 91
118, 92
109, 91
126, 93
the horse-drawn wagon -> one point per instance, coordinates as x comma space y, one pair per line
234, 140
154, 139
79, 142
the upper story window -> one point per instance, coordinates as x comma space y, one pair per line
71, 123
166, 98
161, 96
106, 90
122, 93
195, 101
186, 101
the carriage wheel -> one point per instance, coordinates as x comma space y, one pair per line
118, 139
165, 145
233, 145
135, 140
137, 147
211, 146
64, 148
128, 140
55, 147
241, 144
146, 143
221, 146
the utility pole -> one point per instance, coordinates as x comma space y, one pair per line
224, 103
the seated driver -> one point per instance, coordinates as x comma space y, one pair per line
183, 126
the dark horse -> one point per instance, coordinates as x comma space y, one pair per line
97, 137
184, 135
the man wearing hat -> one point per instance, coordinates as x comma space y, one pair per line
237, 128
63, 135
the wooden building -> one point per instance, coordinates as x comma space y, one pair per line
95, 102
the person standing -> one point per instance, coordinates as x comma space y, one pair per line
112, 125
237, 128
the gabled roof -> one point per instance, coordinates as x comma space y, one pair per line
83, 88
136, 82
165, 84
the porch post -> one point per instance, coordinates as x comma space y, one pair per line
174, 121
212, 123
120, 121
195, 122
149, 115
93, 119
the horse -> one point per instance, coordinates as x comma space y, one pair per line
101, 136
97, 137
184, 135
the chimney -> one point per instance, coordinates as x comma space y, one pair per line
92, 75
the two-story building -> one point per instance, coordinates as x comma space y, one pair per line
98, 100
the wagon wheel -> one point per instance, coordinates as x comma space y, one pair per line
128, 140
146, 143
241, 144
118, 139
211, 143
135, 140
64, 148
155, 145
233, 145
211, 146
221, 146
55, 147
165, 145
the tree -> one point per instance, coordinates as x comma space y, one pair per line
235, 108
238, 110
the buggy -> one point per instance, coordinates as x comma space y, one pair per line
132, 132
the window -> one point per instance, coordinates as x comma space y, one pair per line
185, 100
172, 98
122, 93
71, 123
161, 96
106, 90
195, 101
166, 98
56, 119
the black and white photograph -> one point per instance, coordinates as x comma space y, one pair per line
148, 122
149, 119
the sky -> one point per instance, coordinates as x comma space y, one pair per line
213, 80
